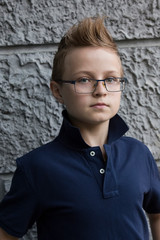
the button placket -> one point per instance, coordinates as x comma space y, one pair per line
97, 165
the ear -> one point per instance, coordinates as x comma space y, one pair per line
55, 88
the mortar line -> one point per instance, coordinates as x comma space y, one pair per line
138, 43
31, 48
6, 175
51, 47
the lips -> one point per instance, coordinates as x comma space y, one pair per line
99, 105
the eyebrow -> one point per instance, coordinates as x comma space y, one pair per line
92, 73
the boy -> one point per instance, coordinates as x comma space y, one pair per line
91, 182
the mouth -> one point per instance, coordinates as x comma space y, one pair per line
99, 105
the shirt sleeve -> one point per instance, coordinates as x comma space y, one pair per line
19, 209
152, 197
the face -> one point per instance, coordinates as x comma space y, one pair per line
99, 106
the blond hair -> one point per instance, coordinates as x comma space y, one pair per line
89, 32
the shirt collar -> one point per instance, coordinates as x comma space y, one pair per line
71, 135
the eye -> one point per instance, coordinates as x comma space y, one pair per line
111, 80
84, 80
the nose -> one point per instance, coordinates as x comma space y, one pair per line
100, 88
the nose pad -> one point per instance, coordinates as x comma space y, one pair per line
98, 88
104, 84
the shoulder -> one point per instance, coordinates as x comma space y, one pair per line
36, 166
40, 156
134, 146
134, 151
135, 142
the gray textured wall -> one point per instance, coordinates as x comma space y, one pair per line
30, 31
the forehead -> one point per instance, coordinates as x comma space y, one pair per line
92, 59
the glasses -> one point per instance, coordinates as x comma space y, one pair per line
87, 85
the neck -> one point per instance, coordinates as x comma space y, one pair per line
94, 134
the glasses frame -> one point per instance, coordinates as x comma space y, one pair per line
122, 80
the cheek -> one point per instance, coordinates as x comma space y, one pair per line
118, 103
74, 102
115, 99
118, 98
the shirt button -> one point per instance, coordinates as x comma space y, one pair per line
92, 153
102, 171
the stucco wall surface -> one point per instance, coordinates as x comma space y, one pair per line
30, 116
30, 31
36, 22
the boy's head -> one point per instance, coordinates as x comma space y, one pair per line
89, 32
87, 74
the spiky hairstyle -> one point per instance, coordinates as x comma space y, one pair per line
89, 32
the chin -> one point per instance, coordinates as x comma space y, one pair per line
102, 117
99, 120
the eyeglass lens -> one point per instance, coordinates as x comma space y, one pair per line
90, 86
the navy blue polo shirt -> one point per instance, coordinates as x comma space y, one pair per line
72, 194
